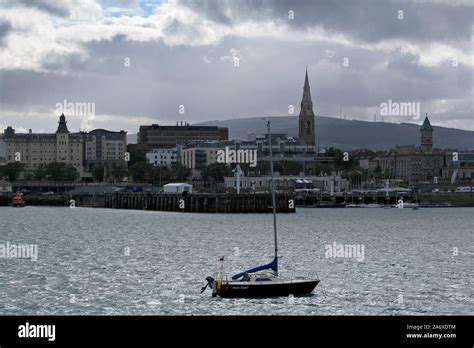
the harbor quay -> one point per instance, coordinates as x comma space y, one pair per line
177, 202
200, 202
159, 201
232, 202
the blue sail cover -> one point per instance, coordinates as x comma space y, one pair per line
272, 265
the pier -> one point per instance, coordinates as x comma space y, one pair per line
200, 202
230, 203
367, 197
427, 199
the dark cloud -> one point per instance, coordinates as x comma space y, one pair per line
269, 79
5, 27
68, 62
53, 7
271, 73
365, 20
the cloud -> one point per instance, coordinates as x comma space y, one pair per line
364, 20
182, 53
86, 10
63, 28
5, 27
235, 57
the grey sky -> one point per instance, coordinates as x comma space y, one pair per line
184, 53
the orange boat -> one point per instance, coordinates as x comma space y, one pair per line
18, 201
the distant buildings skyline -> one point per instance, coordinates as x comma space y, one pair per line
83, 150
159, 136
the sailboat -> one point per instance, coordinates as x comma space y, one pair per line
261, 281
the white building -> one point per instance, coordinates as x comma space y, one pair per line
177, 188
160, 157
262, 183
199, 158
202, 154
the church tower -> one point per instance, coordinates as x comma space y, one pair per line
426, 135
306, 118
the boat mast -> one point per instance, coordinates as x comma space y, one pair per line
273, 188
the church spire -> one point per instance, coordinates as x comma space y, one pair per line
306, 88
306, 118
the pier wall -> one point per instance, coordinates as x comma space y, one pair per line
435, 199
226, 203
200, 202
453, 199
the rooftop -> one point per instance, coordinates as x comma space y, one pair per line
426, 124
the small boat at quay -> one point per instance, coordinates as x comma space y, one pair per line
371, 205
406, 205
18, 201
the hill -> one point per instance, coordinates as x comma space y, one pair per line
350, 134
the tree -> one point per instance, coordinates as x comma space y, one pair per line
216, 171
60, 172
339, 162
141, 171
181, 172
70, 173
167, 175
378, 173
119, 172
136, 156
321, 168
263, 167
40, 172
288, 167
98, 173
12, 170
161, 175
28, 176
282, 167
54, 171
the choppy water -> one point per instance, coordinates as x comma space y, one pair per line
410, 264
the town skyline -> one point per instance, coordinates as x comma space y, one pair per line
147, 62
326, 136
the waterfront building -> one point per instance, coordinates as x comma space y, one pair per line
105, 149
325, 183
460, 169
198, 155
33, 149
162, 157
284, 148
411, 163
167, 137
82, 150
